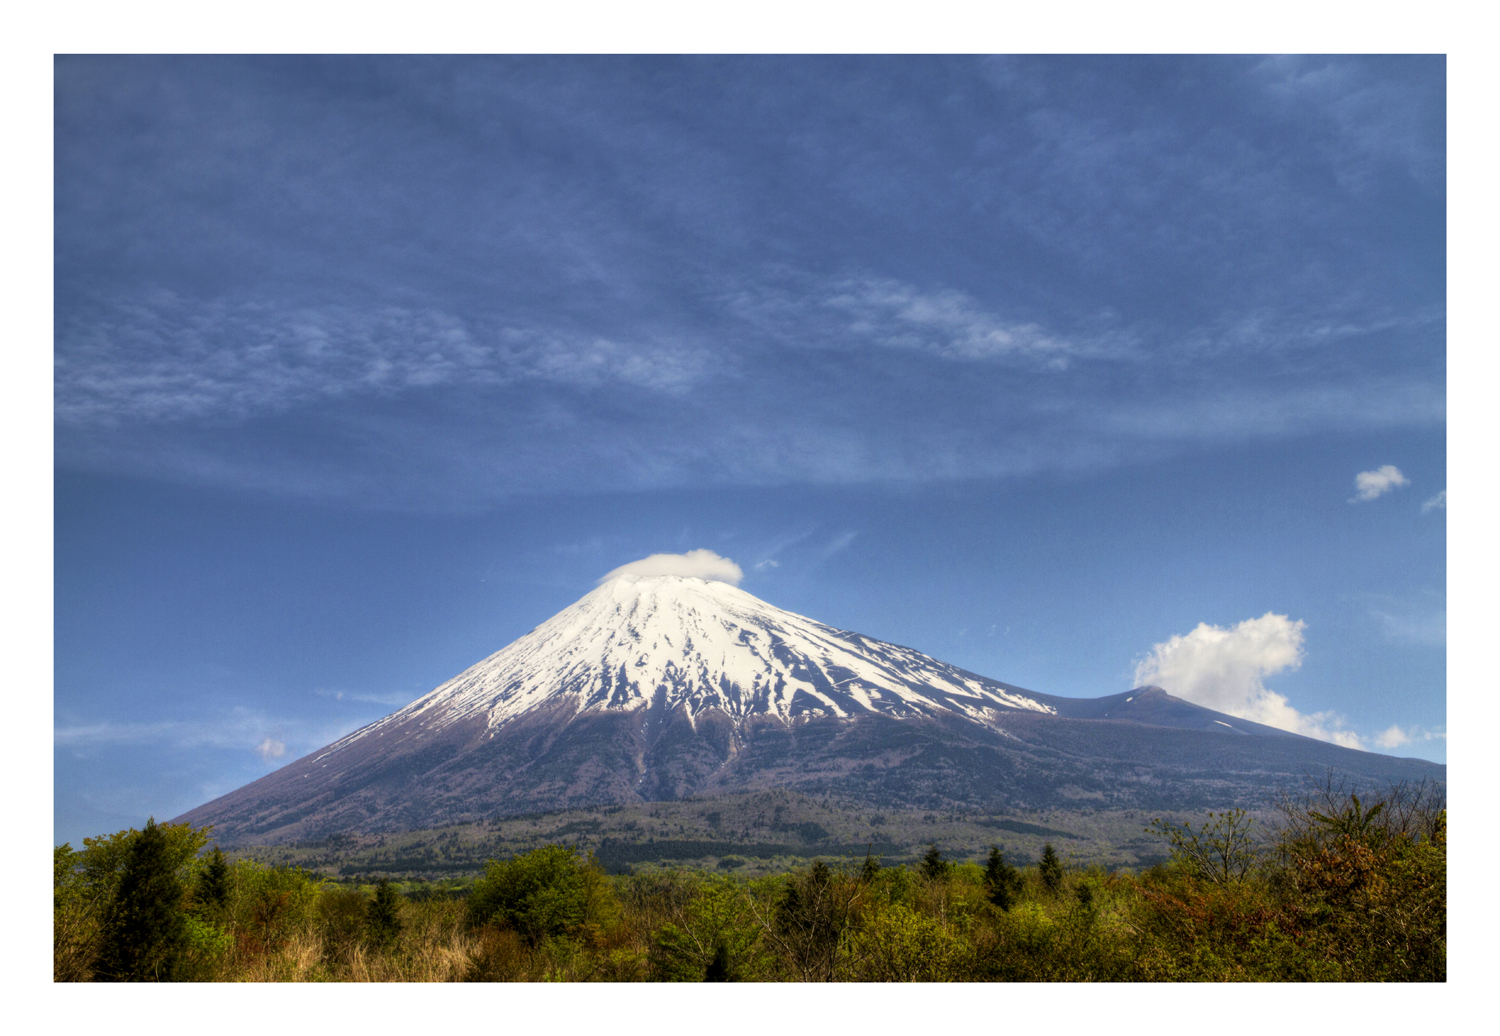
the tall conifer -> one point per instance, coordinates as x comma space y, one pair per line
1050, 869
149, 931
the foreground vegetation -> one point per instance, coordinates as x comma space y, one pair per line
1341, 890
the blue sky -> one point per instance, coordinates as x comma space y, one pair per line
364, 367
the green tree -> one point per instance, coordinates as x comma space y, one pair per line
547, 892
933, 864
212, 894
900, 945
713, 938
1050, 870
1001, 879
871, 868
149, 932
382, 915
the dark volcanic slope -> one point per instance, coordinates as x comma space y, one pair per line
671, 687
545, 762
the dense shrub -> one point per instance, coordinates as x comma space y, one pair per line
551, 891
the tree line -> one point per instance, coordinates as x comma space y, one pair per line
1343, 889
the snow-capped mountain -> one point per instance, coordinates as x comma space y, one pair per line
660, 686
678, 642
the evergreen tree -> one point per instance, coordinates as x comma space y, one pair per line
871, 867
149, 931
1003, 880
1050, 870
933, 864
382, 921
718, 968
819, 877
212, 894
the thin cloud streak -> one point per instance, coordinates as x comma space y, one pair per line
243, 730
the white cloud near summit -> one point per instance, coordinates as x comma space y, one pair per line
701, 564
1374, 483
1224, 669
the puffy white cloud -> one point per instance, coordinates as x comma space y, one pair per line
1224, 669
1373, 483
700, 564
1437, 503
269, 749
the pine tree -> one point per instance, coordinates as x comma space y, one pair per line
718, 968
1001, 878
1050, 869
933, 864
212, 894
149, 930
871, 867
382, 919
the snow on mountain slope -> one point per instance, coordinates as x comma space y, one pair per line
639, 641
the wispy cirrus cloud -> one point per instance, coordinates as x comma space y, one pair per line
167, 358
875, 270
944, 323
240, 729
1436, 503
1378, 118
364, 697
863, 310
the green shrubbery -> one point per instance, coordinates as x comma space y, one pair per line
1344, 890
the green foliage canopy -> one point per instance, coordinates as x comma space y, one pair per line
547, 892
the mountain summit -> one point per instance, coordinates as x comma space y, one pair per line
680, 644
660, 686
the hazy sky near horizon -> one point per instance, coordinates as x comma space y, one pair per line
1070, 371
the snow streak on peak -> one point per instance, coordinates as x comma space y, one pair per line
639, 641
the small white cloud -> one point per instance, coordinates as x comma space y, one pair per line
761, 566
1392, 737
1224, 669
1373, 483
699, 564
1395, 737
1437, 503
269, 749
